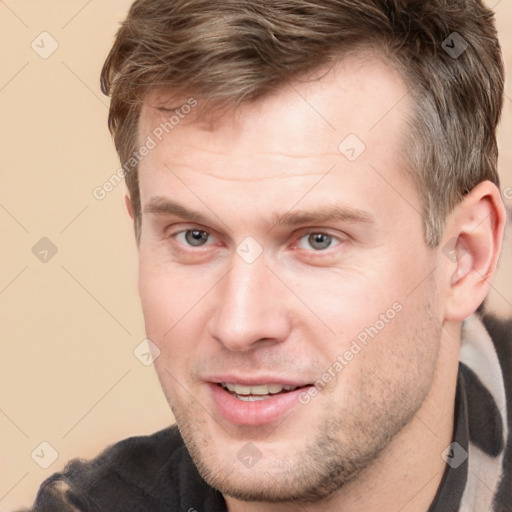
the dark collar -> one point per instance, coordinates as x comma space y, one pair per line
449, 493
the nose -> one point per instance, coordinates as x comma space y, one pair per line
251, 308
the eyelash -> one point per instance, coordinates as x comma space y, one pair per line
336, 240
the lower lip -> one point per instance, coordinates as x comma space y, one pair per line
261, 412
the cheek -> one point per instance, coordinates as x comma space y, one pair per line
176, 304
157, 303
407, 347
163, 299
365, 284
167, 312
385, 319
349, 301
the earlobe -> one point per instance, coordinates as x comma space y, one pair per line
475, 228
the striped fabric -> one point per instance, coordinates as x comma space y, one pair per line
486, 363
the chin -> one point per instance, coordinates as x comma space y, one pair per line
287, 471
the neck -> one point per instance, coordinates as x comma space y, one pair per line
407, 474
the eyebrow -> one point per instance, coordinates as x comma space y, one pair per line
159, 205
324, 214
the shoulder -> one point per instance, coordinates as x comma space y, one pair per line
140, 472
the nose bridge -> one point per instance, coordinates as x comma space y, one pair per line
250, 307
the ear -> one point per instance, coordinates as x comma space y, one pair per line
470, 249
129, 205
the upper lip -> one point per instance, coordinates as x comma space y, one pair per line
260, 380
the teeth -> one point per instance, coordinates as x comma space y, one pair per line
238, 389
262, 390
251, 398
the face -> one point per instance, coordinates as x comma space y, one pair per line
286, 281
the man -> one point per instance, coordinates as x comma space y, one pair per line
315, 198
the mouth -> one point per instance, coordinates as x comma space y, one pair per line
256, 393
255, 404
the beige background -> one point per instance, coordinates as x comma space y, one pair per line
68, 375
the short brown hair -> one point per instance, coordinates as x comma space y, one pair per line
240, 50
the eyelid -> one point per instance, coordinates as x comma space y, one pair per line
177, 227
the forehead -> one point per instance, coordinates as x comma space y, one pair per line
360, 105
360, 93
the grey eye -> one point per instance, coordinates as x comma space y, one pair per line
319, 241
196, 237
